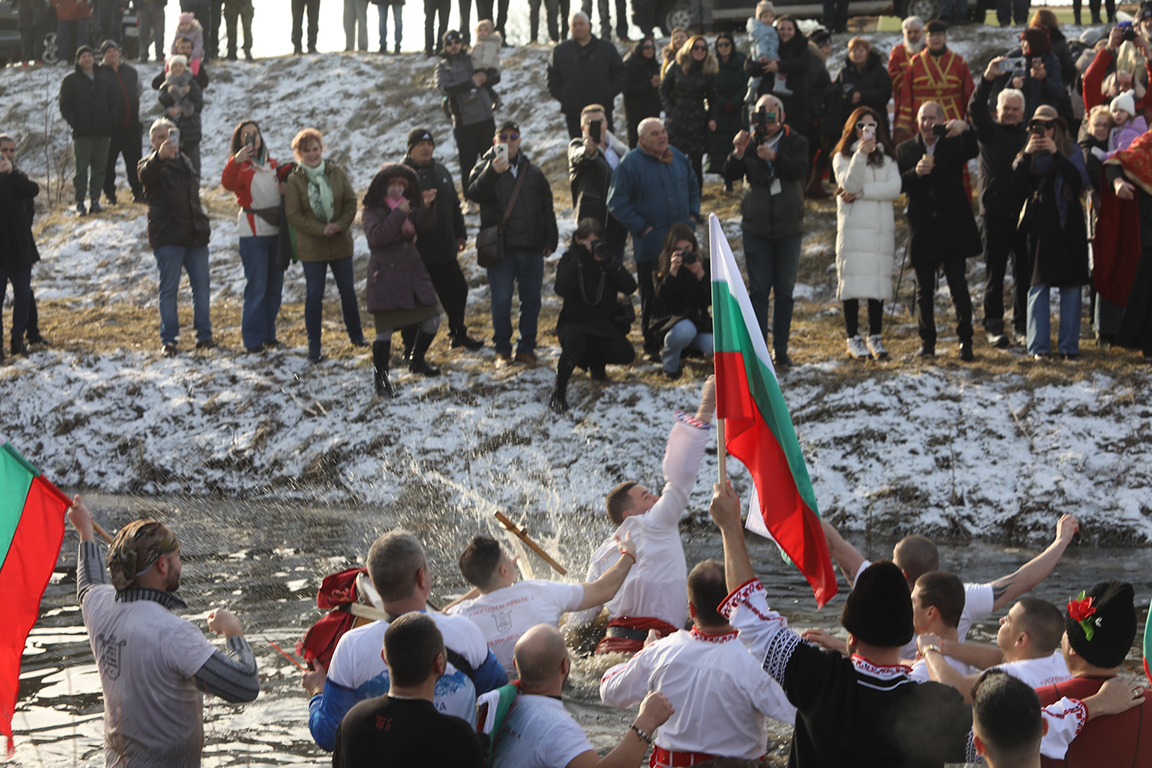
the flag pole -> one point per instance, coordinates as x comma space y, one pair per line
721, 451
103, 533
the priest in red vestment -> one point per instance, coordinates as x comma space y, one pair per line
935, 74
901, 56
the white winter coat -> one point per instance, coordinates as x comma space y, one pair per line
866, 227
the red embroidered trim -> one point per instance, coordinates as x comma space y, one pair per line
722, 637
879, 670
692, 421
739, 595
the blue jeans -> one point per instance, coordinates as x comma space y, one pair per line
683, 336
171, 259
315, 276
70, 35
265, 282
527, 269
20, 275
772, 268
398, 23
1040, 321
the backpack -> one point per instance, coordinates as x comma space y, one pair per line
491, 709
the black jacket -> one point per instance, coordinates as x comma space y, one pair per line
532, 225
689, 100
125, 90
795, 61
871, 81
438, 244
189, 125
1092, 163
590, 181
588, 306
941, 226
765, 214
16, 210
1001, 193
172, 190
641, 98
582, 75
682, 297
1057, 246
86, 103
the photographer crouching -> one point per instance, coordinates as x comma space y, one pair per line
683, 295
592, 332
772, 214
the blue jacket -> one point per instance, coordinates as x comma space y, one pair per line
648, 192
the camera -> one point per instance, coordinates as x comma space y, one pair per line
761, 119
1129, 33
687, 256
595, 130
600, 250
940, 129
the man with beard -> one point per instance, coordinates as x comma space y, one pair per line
935, 74
901, 57
154, 665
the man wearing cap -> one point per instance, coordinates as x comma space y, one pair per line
585, 70
1098, 633
86, 105
125, 139
469, 103
154, 666
529, 236
439, 246
935, 74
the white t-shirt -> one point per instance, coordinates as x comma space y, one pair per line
147, 657
538, 733
920, 674
506, 614
1037, 673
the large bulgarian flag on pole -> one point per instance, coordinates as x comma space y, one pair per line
31, 532
757, 428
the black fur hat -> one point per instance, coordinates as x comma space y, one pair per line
879, 607
1101, 623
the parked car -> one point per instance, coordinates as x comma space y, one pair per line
735, 13
46, 50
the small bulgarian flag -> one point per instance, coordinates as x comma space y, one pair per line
1148, 643
758, 429
31, 532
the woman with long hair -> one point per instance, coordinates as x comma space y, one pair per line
867, 182
731, 84
675, 43
251, 174
1051, 168
398, 289
688, 93
642, 88
683, 288
321, 205
787, 77
589, 279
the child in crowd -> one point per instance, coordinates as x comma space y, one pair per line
765, 48
178, 83
486, 54
1126, 125
191, 29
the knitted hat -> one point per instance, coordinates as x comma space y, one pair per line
1101, 623
107, 44
1124, 101
452, 36
417, 135
83, 50
879, 607
136, 549
1038, 41
765, 5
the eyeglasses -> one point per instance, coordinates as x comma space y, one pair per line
723, 44
700, 48
862, 126
647, 47
509, 136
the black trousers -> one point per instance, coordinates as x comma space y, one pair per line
606, 19
852, 316
298, 8
212, 31
466, 20
126, 142
471, 142
33, 330
644, 16
583, 350
926, 290
1000, 238
452, 290
1094, 7
836, 15
232, 15
644, 272
572, 119
557, 13
434, 39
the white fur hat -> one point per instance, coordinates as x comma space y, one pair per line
1126, 102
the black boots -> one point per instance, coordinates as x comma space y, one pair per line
380, 352
559, 401
417, 363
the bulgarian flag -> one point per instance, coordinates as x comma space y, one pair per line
31, 531
758, 429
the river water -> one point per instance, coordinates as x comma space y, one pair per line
264, 562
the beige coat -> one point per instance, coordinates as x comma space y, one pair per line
311, 244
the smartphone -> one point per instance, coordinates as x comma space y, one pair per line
250, 140
595, 130
174, 136
502, 151
1036, 130
940, 129
870, 132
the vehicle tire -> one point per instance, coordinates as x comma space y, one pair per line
676, 13
51, 53
925, 9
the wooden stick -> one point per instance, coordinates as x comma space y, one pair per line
285, 655
721, 451
512, 528
103, 533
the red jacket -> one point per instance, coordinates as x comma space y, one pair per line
1106, 742
1094, 78
71, 10
238, 178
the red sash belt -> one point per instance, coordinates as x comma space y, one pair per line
630, 633
662, 758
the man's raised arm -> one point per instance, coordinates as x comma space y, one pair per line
1028, 576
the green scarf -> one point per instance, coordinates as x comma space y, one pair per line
319, 191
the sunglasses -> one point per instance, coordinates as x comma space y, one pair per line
862, 126
647, 47
1040, 124
723, 44
509, 136
700, 48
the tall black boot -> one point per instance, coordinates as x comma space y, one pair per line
380, 352
559, 401
408, 337
419, 348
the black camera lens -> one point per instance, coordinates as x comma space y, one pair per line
600, 248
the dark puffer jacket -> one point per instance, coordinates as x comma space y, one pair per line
532, 225
124, 86
86, 103
689, 102
603, 280
189, 125
795, 61
873, 84
396, 277
768, 215
731, 86
17, 191
439, 244
641, 98
579, 75
172, 190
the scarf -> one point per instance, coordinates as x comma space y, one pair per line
408, 229
319, 191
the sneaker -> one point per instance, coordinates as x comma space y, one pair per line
998, 340
528, 358
206, 344
96, 208
876, 347
168, 350
857, 349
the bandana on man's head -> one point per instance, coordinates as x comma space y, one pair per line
136, 549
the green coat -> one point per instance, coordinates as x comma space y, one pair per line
731, 86
311, 245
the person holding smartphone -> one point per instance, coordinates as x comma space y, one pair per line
683, 284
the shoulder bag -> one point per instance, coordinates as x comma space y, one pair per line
490, 240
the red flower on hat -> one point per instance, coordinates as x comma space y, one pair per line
1080, 609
